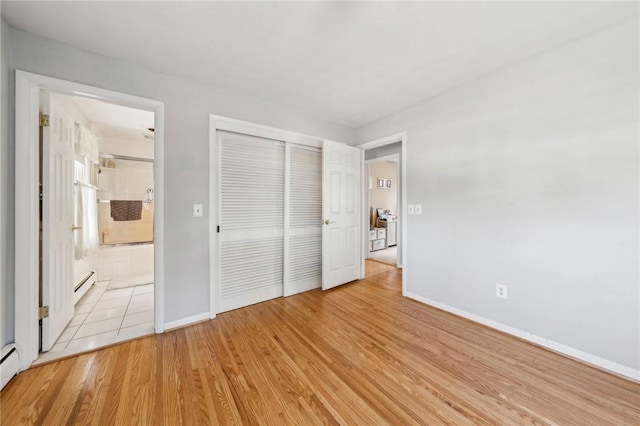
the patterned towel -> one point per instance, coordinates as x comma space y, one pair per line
124, 210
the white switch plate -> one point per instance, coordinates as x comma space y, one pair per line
419, 209
197, 210
411, 209
501, 291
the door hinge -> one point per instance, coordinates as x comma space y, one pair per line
44, 120
218, 229
43, 312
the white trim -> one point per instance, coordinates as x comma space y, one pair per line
158, 211
186, 321
214, 214
247, 128
28, 86
596, 361
388, 140
390, 157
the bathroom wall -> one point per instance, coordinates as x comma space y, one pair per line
128, 180
115, 262
125, 179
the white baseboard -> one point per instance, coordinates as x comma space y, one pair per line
585, 357
186, 321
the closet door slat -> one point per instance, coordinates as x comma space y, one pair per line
252, 219
305, 220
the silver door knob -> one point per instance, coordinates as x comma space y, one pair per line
75, 228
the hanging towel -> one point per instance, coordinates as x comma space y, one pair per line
135, 210
123, 210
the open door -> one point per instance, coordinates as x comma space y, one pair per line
341, 214
57, 220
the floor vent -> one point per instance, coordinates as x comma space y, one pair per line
9, 364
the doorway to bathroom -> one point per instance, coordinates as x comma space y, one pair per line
88, 239
96, 170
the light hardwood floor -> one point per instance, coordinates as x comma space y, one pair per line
359, 354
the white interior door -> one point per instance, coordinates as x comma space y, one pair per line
251, 219
57, 216
341, 212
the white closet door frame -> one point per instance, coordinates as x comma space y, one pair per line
219, 123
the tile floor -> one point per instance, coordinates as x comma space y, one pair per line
103, 317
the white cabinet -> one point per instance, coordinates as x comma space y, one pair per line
377, 245
391, 227
377, 239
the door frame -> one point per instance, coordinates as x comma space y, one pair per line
220, 123
367, 166
27, 152
402, 206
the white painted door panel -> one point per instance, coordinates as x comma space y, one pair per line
303, 218
251, 220
58, 216
341, 212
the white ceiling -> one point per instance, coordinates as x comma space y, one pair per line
350, 62
115, 120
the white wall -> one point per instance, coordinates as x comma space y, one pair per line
5, 337
529, 177
187, 108
382, 197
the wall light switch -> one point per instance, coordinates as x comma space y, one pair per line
411, 209
419, 209
197, 210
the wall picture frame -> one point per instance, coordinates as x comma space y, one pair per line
384, 183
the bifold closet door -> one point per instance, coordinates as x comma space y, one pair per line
303, 232
251, 219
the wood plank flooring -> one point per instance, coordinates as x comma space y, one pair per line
359, 354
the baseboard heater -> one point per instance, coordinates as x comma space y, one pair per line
81, 288
9, 364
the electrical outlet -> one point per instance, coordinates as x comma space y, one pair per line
501, 291
419, 209
411, 209
197, 210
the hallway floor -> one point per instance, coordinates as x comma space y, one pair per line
103, 317
388, 255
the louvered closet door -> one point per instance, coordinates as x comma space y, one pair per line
252, 220
303, 253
